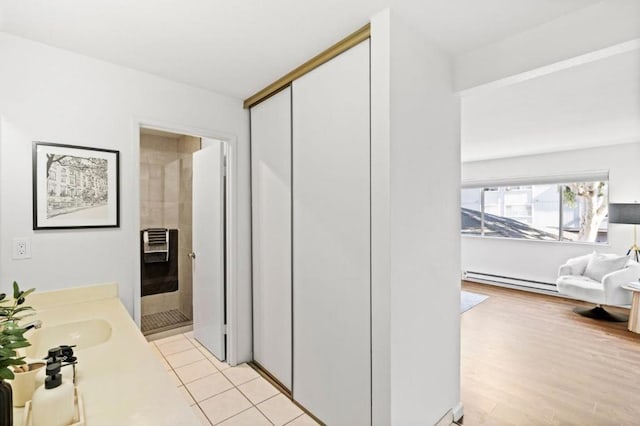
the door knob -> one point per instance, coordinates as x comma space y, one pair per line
192, 255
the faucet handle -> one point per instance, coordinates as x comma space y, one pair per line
54, 354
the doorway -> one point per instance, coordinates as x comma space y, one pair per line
182, 272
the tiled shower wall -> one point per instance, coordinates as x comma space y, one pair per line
165, 197
157, 202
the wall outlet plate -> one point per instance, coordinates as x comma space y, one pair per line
21, 248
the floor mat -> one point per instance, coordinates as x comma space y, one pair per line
163, 320
468, 300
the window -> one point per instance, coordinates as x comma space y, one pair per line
471, 200
575, 211
584, 211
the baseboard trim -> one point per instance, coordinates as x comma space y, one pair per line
446, 420
458, 412
452, 416
515, 287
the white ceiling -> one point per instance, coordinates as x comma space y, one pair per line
594, 104
236, 47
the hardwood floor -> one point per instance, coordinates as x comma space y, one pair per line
528, 359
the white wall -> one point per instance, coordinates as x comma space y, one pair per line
48, 94
380, 219
539, 260
416, 198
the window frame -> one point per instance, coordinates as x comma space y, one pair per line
560, 189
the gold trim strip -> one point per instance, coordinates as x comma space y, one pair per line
283, 390
271, 379
341, 46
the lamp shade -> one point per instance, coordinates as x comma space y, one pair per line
624, 213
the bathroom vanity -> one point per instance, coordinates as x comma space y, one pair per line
120, 379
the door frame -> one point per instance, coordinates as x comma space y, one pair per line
231, 228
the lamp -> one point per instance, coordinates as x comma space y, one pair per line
628, 214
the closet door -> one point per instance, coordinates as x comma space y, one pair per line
271, 204
331, 240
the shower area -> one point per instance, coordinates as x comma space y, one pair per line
166, 177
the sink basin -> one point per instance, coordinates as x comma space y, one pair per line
83, 334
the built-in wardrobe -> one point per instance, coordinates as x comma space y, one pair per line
311, 210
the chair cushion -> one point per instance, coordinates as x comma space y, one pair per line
581, 287
579, 264
602, 264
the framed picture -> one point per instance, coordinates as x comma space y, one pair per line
75, 187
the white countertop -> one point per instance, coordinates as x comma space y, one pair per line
121, 381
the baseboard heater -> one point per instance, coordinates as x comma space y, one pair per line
483, 277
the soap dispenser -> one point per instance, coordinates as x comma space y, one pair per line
53, 403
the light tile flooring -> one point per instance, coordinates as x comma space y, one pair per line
224, 395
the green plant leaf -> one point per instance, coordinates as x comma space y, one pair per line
22, 309
11, 334
11, 361
28, 292
13, 331
24, 316
18, 344
6, 374
9, 338
10, 324
17, 361
6, 353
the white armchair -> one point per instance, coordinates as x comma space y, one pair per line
597, 278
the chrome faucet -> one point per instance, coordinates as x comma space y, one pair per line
34, 324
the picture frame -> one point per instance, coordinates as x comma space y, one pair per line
75, 187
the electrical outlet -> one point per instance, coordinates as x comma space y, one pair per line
21, 248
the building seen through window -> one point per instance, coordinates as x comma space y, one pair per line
575, 211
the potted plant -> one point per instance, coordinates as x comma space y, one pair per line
11, 338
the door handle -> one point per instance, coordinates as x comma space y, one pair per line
192, 255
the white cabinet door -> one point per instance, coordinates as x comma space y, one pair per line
208, 247
331, 240
271, 204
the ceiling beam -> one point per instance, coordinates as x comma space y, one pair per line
567, 41
552, 68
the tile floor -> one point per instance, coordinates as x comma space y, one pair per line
224, 395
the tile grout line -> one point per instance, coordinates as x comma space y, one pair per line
193, 362
294, 419
237, 387
184, 385
195, 380
218, 371
263, 413
205, 416
251, 402
207, 356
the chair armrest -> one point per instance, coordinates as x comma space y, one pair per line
612, 282
565, 269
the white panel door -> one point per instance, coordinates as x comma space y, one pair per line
208, 249
271, 204
331, 240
